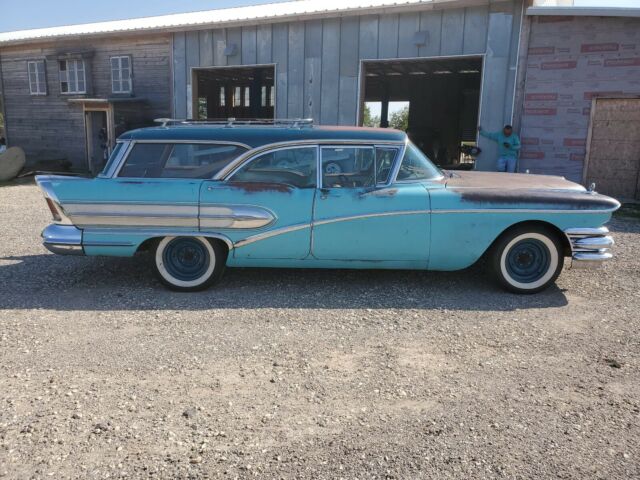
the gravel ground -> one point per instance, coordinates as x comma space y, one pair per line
311, 374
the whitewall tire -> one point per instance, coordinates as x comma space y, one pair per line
189, 263
527, 259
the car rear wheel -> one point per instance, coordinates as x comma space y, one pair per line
527, 259
189, 264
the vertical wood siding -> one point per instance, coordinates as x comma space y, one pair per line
318, 62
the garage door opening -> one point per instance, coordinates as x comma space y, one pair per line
436, 101
234, 92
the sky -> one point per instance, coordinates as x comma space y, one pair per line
17, 15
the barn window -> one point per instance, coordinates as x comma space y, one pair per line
121, 74
72, 76
37, 77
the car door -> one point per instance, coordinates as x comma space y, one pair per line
265, 206
359, 215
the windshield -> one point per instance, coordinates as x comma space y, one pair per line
112, 157
416, 166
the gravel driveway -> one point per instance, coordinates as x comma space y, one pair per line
311, 374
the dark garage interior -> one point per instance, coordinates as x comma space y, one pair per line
443, 96
233, 92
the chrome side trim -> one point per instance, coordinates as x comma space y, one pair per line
235, 216
63, 239
589, 246
136, 220
119, 209
520, 210
271, 233
133, 214
326, 221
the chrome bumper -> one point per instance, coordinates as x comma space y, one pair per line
590, 246
63, 239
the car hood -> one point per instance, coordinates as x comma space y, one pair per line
463, 179
516, 191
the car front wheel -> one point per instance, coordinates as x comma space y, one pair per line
189, 263
527, 259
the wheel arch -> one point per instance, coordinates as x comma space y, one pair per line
151, 242
560, 235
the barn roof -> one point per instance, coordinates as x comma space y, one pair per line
291, 10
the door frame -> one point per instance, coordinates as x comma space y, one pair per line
592, 111
362, 79
192, 90
107, 108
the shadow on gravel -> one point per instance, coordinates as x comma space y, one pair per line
98, 283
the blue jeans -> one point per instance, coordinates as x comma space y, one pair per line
507, 164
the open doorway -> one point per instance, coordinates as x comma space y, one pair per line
234, 92
436, 101
98, 139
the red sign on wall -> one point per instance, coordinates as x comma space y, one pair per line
528, 155
541, 96
541, 50
574, 142
622, 62
540, 111
564, 65
599, 47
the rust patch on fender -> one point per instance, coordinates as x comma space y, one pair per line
524, 198
258, 187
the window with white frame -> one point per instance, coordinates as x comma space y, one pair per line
37, 77
121, 74
72, 76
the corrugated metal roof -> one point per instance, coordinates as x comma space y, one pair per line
271, 11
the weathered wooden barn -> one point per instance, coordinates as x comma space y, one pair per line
66, 100
68, 91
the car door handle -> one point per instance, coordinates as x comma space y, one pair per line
324, 193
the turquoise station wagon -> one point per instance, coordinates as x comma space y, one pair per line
202, 196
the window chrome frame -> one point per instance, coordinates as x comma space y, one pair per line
234, 165
416, 180
261, 153
364, 146
115, 171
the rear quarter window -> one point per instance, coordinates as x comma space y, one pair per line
178, 160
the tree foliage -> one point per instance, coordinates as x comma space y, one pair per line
368, 119
400, 119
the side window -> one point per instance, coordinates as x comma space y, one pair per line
385, 158
348, 167
178, 160
121, 74
416, 166
37, 77
289, 166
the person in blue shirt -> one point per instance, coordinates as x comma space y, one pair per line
508, 147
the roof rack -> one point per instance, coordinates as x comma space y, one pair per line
232, 122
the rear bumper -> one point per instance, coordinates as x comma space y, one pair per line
63, 239
590, 246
